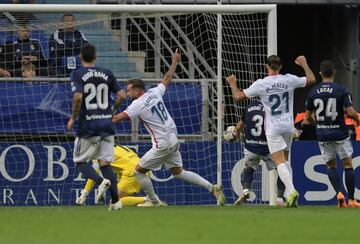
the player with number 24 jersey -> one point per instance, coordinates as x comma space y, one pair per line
329, 99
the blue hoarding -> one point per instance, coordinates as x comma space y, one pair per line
43, 174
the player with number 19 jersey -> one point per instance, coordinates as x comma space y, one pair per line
95, 113
152, 112
276, 93
328, 100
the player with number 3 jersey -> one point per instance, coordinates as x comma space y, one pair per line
256, 149
149, 107
276, 92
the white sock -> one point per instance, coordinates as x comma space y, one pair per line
195, 179
147, 186
285, 176
288, 165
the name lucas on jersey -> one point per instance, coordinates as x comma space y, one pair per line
94, 73
324, 89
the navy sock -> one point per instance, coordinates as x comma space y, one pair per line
350, 182
334, 178
89, 172
109, 174
248, 177
280, 188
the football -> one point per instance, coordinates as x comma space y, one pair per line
229, 134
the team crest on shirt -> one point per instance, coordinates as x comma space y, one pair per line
32, 47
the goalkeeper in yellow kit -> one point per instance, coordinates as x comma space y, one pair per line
123, 165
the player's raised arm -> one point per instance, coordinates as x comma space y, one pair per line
169, 75
310, 77
77, 99
237, 94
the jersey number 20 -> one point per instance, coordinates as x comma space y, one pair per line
100, 92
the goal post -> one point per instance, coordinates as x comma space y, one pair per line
137, 41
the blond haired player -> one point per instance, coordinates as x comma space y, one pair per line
123, 165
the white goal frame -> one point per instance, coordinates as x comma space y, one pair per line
218, 9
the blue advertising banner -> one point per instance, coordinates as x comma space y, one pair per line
43, 174
44, 108
309, 172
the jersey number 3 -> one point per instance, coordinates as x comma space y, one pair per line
257, 129
160, 111
100, 92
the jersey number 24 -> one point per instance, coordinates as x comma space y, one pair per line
330, 109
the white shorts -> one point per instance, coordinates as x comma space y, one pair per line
156, 157
253, 160
279, 142
86, 149
342, 148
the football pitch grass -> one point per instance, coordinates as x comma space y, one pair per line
179, 224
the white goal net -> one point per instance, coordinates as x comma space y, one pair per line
39, 50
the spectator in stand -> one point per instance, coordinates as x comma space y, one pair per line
28, 70
28, 50
64, 46
3, 62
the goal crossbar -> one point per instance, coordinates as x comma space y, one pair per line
143, 8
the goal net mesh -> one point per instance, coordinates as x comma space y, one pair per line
40, 50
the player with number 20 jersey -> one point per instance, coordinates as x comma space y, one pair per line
92, 86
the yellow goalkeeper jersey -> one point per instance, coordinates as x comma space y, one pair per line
125, 160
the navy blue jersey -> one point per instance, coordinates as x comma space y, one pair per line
64, 51
95, 113
328, 100
255, 139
